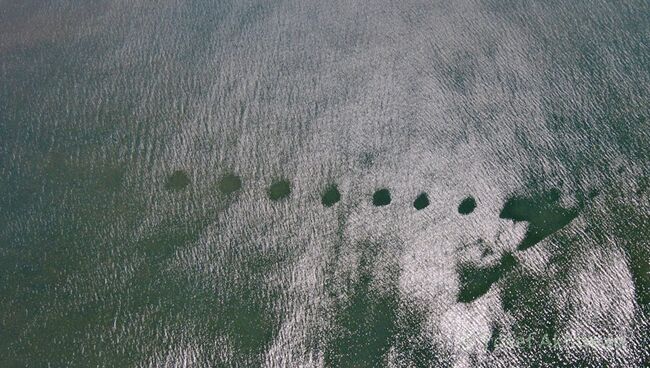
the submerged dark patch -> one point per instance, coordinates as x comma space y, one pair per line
245, 312
476, 282
229, 184
544, 215
370, 323
494, 338
279, 190
367, 324
381, 197
177, 181
421, 202
632, 228
467, 206
331, 196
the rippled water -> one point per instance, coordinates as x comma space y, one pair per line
308, 183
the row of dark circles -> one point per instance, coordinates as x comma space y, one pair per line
281, 189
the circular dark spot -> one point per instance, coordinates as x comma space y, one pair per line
381, 197
279, 190
467, 206
331, 196
229, 183
421, 202
177, 181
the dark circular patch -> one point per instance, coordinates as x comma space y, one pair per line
421, 202
331, 196
381, 197
279, 190
229, 183
177, 181
467, 206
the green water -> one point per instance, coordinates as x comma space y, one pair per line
331, 196
195, 183
279, 190
381, 197
421, 202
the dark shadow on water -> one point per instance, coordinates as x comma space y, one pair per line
177, 181
381, 197
229, 184
367, 322
421, 202
331, 196
536, 318
279, 190
371, 322
494, 338
476, 282
632, 229
467, 206
543, 213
